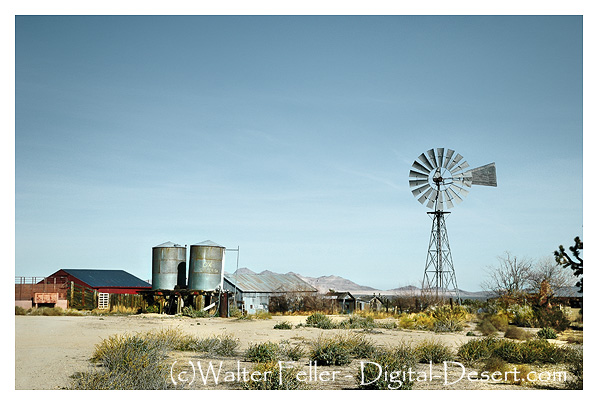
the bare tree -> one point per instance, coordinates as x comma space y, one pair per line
546, 270
510, 278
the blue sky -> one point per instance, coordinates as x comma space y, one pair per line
292, 137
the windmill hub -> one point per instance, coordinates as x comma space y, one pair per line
439, 179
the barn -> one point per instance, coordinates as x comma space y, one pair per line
103, 280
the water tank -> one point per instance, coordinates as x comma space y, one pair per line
168, 266
206, 261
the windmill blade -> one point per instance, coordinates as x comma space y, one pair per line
418, 182
460, 190
421, 189
454, 195
420, 167
423, 198
448, 200
467, 182
440, 152
448, 157
414, 174
430, 204
460, 167
455, 161
485, 175
431, 155
425, 161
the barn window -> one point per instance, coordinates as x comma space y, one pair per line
103, 300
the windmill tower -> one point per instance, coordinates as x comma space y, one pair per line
439, 179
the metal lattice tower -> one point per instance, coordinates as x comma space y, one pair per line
439, 180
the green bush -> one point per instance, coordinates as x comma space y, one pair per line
224, 345
152, 309
486, 328
19, 311
476, 349
356, 321
330, 351
499, 321
283, 325
127, 362
293, 353
47, 311
262, 352
517, 333
433, 351
357, 344
553, 317
189, 311
319, 320
522, 315
547, 333
273, 377
392, 363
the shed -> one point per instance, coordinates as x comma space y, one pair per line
252, 291
345, 300
104, 280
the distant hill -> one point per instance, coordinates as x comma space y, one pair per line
340, 284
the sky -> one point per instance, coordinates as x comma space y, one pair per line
291, 137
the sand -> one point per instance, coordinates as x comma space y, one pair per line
49, 349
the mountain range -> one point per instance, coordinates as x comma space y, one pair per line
340, 284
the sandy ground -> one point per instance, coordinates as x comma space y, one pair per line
48, 350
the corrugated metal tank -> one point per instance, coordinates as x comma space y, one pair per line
206, 261
168, 266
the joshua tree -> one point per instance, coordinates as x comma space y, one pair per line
566, 260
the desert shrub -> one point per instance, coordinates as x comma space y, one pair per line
547, 333
152, 309
517, 333
262, 352
19, 311
127, 362
554, 317
394, 363
356, 321
443, 326
493, 364
234, 312
499, 321
320, 320
507, 350
574, 366
476, 349
433, 351
224, 345
189, 311
293, 353
357, 344
273, 377
330, 351
262, 315
522, 315
542, 351
470, 334
389, 324
47, 311
486, 328
283, 325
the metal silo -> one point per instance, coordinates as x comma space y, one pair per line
206, 265
168, 266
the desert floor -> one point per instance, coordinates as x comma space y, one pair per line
49, 349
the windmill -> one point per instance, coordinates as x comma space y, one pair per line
440, 179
